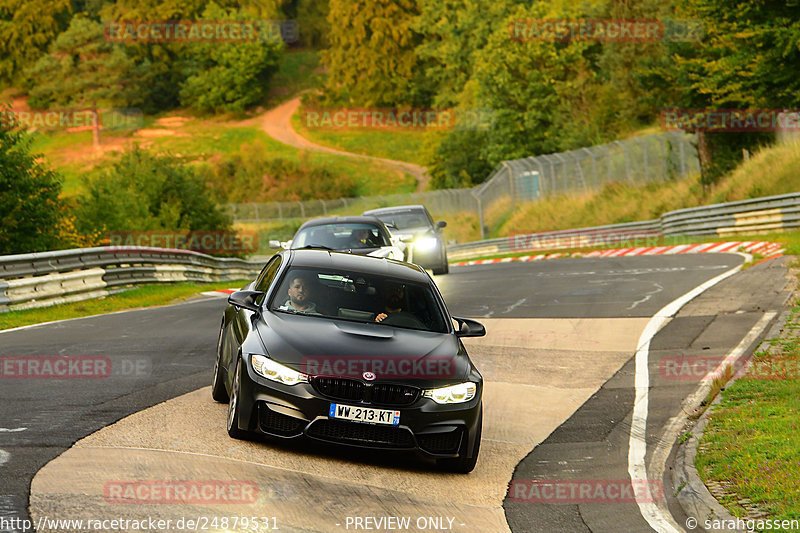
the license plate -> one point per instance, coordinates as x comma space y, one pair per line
365, 414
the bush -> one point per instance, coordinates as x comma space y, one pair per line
146, 191
253, 176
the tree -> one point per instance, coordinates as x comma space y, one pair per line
545, 94
229, 76
26, 30
372, 59
747, 58
81, 70
30, 210
452, 32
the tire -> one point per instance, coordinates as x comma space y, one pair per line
218, 391
464, 464
233, 406
443, 269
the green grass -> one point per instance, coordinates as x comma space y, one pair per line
207, 140
400, 145
769, 172
145, 296
752, 443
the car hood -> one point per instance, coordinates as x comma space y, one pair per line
340, 348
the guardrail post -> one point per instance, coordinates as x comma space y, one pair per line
280, 211
324, 207
302, 209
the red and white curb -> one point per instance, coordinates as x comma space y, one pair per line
770, 250
219, 293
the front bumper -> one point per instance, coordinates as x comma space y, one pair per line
428, 257
300, 410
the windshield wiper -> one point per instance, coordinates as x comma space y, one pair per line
315, 247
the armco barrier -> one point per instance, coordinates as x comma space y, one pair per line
48, 278
754, 216
41, 279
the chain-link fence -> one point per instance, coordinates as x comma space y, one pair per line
638, 160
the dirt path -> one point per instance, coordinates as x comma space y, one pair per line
277, 123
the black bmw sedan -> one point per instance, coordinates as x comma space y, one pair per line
353, 350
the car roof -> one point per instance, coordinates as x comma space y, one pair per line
396, 209
356, 263
356, 219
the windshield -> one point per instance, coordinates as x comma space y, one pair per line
348, 236
406, 220
366, 298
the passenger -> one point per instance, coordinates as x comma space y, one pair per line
394, 297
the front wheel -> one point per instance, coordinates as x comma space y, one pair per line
218, 391
233, 405
444, 268
464, 464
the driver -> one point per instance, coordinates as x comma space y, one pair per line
361, 238
299, 296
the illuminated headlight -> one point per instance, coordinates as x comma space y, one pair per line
463, 392
264, 366
425, 243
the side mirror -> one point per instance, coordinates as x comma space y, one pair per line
441, 224
245, 300
469, 328
274, 244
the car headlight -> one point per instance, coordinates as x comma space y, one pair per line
463, 392
274, 371
425, 243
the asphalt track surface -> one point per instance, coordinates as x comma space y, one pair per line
162, 353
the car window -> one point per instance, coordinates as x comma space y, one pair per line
406, 220
268, 274
341, 236
358, 297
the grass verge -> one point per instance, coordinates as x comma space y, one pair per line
139, 297
751, 446
398, 144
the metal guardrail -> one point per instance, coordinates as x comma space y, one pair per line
47, 278
758, 215
42, 279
